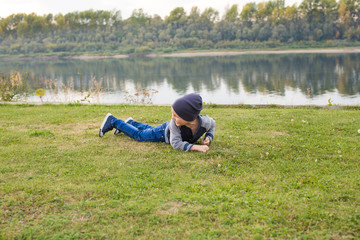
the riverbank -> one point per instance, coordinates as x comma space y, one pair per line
270, 173
210, 105
189, 54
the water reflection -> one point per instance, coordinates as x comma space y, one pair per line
250, 79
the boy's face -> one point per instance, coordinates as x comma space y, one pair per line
178, 120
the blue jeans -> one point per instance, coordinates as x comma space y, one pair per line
140, 131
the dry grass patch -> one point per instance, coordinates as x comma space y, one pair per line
279, 133
171, 208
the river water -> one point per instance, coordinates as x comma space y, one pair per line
286, 79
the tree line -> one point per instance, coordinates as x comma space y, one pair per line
263, 25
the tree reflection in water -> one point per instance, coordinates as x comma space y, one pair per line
311, 74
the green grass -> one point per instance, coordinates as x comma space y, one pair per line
280, 173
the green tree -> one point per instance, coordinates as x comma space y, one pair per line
265, 32
248, 13
60, 21
232, 14
280, 33
177, 17
208, 18
139, 17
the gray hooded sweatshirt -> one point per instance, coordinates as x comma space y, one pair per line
183, 138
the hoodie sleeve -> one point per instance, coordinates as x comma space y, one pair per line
176, 139
210, 127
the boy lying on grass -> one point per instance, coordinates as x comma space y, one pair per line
185, 128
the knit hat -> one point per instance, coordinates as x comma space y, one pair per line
188, 107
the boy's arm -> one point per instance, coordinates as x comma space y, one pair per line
176, 139
209, 136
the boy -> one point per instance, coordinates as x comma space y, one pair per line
184, 129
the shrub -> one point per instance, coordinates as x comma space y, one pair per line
143, 50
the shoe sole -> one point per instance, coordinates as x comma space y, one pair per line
101, 134
129, 119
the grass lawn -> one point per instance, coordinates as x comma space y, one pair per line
282, 173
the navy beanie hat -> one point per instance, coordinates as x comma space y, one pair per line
188, 107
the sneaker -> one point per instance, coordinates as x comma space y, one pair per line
129, 119
106, 125
117, 132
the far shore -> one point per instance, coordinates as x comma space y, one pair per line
188, 54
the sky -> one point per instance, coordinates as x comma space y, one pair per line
126, 7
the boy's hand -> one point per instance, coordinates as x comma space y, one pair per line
199, 148
206, 141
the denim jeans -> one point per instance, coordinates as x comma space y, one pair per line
140, 131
